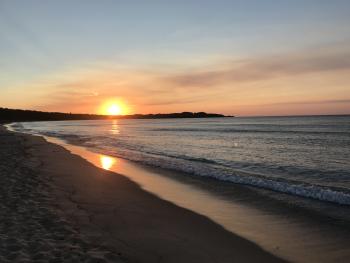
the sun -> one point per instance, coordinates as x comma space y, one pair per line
114, 109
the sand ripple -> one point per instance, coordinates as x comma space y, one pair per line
32, 228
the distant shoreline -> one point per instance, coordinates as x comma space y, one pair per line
16, 115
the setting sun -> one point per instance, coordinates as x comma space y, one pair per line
114, 108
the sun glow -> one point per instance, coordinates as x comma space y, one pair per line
114, 108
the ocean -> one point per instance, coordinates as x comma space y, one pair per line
300, 156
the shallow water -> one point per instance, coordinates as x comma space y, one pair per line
304, 156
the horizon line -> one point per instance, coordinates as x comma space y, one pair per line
230, 115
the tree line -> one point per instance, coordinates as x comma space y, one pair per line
11, 115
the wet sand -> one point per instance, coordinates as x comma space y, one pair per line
58, 207
293, 233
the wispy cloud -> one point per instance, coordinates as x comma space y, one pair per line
317, 77
268, 67
308, 102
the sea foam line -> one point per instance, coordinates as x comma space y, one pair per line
335, 194
323, 193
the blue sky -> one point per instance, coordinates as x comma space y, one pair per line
44, 41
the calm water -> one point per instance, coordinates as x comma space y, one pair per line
304, 156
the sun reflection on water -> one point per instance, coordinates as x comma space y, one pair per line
107, 162
115, 127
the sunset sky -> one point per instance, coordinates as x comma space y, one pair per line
232, 57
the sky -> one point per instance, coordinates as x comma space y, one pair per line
243, 58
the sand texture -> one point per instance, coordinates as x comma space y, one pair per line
57, 207
32, 228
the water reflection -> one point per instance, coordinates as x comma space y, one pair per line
115, 127
107, 162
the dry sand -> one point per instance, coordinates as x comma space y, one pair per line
57, 207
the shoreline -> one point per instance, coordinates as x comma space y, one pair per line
288, 230
141, 227
297, 183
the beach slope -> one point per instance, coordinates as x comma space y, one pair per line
58, 206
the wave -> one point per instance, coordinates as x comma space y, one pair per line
337, 195
207, 168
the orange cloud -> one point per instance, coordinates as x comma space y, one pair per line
308, 82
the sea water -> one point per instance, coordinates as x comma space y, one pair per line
302, 156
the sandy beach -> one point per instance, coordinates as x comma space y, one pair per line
174, 131
57, 207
